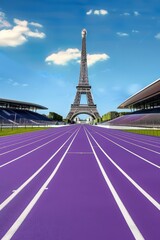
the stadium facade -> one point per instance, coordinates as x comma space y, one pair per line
8, 103
145, 107
147, 98
13, 112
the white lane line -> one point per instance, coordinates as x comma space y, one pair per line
18, 190
148, 196
141, 136
33, 150
134, 144
29, 207
131, 224
12, 150
21, 136
142, 158
35, 134
115, 135
27, 139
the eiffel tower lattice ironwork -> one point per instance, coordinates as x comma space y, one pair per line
83, 88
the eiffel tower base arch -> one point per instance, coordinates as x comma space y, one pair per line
82, 109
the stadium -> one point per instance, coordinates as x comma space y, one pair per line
144, 106
13, 112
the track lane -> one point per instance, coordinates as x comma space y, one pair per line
151, 156
77, 203
135, 142
80, 206
128, 218
19, 203
132, 136
124, 173
21, 136
13, 156
137, 204
15, 138
24, 142
133, 166
20, 171
7, 145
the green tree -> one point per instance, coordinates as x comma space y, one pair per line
55, 116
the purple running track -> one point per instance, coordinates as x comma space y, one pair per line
79, 182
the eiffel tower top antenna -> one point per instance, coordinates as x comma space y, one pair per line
83, 78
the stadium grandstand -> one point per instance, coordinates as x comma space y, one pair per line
144, 106
14, 112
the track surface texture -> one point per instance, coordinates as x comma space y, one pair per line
79, 182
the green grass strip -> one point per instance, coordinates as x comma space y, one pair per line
151, 132
10, 131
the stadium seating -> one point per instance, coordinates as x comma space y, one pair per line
23, 117
137, 120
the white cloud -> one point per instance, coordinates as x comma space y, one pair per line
36, 24
63, 57
100, 12
89, 12
22, 23
122, 34
157, 36
18, 34
24, 29
74, 54
93, 58
3, 22
136, 13
11, 38
36, 34
97, 12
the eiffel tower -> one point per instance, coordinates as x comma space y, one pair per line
83, 88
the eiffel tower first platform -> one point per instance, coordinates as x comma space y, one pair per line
83, 88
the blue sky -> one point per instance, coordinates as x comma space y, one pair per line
40, 43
